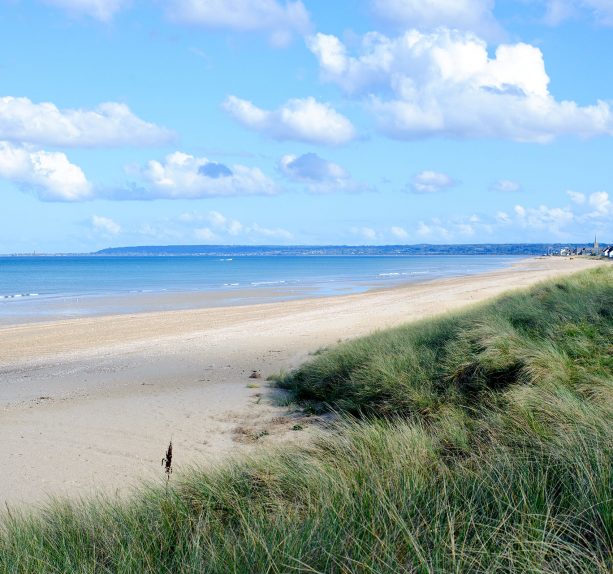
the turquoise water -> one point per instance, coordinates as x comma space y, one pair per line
32, 286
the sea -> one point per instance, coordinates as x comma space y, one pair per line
39, 288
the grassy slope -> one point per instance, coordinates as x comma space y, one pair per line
483, 443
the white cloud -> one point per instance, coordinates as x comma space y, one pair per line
366, 233
105, 225
220, 227
305, 120
423, 230
553, 219
506, 186
318, 174
399, 232
598, 201
503, 217
108, 125
466, 229
204, 234
602, 10
281, 20
220, 221
233, 227
275, 232
445, 83
601, 203
558, 11
576, 197
431, 182
474, 15
49, 174
103, 10
184, 176
434, 229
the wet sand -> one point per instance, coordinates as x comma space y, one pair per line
90, 404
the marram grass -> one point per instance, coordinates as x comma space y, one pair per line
477, 442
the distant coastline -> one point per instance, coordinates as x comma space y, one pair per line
528, 249
345, 250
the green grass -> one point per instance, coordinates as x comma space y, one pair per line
477, 442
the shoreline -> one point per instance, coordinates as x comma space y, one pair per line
90, 404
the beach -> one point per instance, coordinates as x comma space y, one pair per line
90, 404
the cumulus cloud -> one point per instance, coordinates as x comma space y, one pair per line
233, 227
465, 229
552, 219
366, 233
280, 20
105, 225
558, 11
503, 217
399, 232
541, 223
184, 176
103, 10
311, 167
305, 120
204, 234
598, 202
214, 226
474, 15
433, 230
269, 232
601, 204
431, 182
576, 197
506, 186
225, 224
445, 83
318, 174
110, 124
50, 175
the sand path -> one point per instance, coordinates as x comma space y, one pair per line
90, 404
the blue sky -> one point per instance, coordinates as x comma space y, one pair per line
139, 122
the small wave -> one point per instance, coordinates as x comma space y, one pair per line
257, 283
18, 295
231, 284
388, 274
226, 259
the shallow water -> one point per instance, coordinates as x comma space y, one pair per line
43, 288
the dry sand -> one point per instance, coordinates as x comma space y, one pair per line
90, 404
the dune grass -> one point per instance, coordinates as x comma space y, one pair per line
477, 442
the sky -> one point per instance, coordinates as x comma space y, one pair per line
157, 122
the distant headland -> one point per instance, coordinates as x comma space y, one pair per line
518, 249
305, 250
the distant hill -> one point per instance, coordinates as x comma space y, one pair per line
421, 249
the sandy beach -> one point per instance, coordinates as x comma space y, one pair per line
90, 404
